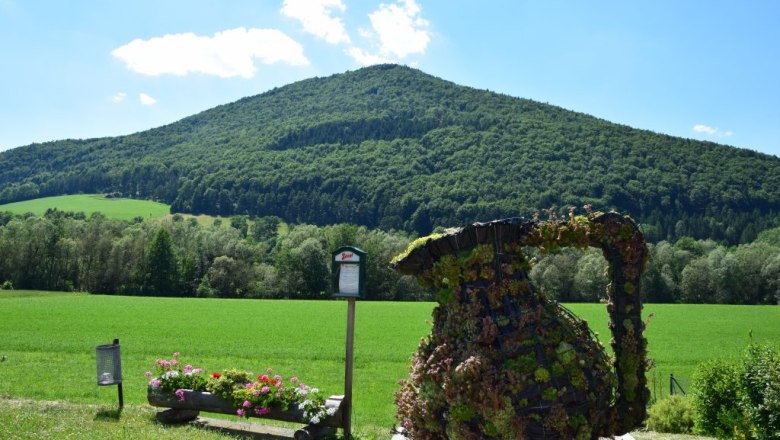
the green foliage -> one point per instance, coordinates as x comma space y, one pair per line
173, 257
715, 396
760, 382
162, 270
673, 414
740, 398
390, 147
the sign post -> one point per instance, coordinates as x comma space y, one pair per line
348, 278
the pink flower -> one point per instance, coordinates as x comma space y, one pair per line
262, 411
148, 374
263, 378
175, 363
197, 371
247, 404
155, 384
265, 390
255, 392
293, 379
277, 377
240, 412
188, 368
180, 395
248, 385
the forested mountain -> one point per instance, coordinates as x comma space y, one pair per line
394, 148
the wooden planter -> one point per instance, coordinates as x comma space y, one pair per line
183, 411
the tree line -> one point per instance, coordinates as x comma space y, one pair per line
262, 257
248, 258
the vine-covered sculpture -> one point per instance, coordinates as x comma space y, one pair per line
503, 361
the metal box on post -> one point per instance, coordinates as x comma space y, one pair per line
109, 366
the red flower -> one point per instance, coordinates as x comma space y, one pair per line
216, 375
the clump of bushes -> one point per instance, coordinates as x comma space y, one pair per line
673, 414
739, 398
7, 285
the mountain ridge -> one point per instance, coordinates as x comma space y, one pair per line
392, 147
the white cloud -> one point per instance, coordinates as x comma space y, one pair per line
400, 28
366, 59
701, 128
119, 97
711, 131
397, 31
316, 18
145, 99
227, 54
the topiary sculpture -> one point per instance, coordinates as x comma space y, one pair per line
505, 362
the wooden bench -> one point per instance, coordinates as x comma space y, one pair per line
187, 410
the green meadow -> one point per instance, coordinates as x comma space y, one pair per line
48, 343
122, 209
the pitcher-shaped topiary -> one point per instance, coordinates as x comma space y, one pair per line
503, 361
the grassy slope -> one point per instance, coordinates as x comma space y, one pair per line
50, 340
123, 209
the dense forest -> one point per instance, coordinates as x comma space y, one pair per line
392, 148
264, 258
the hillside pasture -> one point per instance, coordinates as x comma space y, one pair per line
49, 342
116, 208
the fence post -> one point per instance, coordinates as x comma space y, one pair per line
671, 384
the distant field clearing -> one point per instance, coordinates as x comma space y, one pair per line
123, 209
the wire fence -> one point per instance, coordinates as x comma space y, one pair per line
674, 386
665, 383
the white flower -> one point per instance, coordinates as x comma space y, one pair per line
314, 420
331, 411
315, 390
170, 374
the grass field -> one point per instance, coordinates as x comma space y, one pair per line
49, 340
123, 209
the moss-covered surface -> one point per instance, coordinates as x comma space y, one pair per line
503, 361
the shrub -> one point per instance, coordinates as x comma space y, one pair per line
739, 399
715, 388
760, 381
673, 415
7, 285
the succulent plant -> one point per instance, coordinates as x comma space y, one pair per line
505, 362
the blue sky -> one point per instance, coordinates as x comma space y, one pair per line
706, 70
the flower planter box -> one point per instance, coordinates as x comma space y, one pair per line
186, 410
